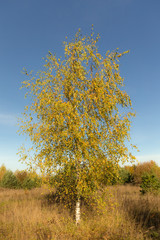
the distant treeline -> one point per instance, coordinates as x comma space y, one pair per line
19, 179
135, 174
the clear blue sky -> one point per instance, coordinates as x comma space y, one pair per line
31, 28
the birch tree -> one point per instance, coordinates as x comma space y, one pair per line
79, 115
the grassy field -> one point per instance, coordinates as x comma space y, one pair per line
28, 215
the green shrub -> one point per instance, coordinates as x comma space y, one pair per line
150, 184
29, 183
125, 176
9, 180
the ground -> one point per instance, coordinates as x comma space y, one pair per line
126, 215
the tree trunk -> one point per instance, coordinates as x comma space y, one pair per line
78, 211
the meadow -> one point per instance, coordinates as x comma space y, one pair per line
127, 215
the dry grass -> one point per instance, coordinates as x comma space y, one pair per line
27, 215
143, 209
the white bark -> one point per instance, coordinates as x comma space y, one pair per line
78, 213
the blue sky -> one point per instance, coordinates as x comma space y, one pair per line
29, 29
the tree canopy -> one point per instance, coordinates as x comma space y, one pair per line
80, 115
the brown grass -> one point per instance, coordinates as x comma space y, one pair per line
143, 209
27, 215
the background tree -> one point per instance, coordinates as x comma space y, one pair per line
147, 167
76, 115
28, 180
3, 170
9, 180
21, 175
150, 183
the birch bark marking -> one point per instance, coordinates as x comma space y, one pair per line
78, 202
78, 211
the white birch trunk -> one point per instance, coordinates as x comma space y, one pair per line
78, 211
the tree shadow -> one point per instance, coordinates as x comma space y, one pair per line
145, 213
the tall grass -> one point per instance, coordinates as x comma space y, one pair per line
143, 209
28, 215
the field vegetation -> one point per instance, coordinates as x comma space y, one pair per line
128, 208
34, 215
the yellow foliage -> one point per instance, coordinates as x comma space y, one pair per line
2, 171
74, 117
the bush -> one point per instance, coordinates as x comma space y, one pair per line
29, 183
150, 184
125, 176
9, 180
